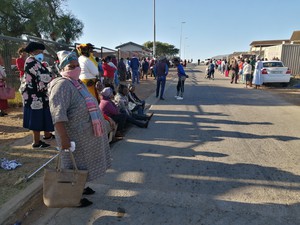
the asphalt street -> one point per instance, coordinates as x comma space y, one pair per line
223, 155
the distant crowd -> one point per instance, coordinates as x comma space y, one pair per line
240, 69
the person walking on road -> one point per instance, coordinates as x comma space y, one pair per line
257, 79
211, 70
181, 78
161, 71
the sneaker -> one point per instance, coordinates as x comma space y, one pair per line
180, 98
41, 144
176, 96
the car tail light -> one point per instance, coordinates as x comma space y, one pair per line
264, 71
288, 71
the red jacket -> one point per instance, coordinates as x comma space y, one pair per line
108, 70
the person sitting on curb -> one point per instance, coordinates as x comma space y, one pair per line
132, 97
122, 102
109, 108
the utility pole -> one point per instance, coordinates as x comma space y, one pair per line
154, 31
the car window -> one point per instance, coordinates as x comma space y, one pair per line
272, 64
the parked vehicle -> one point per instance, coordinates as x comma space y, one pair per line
275, 72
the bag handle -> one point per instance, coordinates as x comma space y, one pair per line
58, 164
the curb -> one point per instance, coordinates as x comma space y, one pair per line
20, 202
24, 202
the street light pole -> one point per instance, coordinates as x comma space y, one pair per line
180, 40
184, 45
154, 30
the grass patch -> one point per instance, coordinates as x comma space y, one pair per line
17, 101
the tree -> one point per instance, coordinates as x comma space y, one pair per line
162, 48
40, 18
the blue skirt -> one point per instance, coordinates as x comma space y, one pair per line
37, 120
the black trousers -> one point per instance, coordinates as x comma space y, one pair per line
180, 86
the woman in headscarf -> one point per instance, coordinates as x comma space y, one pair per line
89, 68
34, 92
77, 117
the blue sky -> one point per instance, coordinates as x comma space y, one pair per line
211, 27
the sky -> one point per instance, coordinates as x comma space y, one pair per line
205, 28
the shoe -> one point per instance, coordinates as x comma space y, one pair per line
156, 96
161, 98
146, 124
1, 114
49, 138
41, 144
180, 98
176, 96
150, 116
119, 134
116, 139
84, 203
88, 191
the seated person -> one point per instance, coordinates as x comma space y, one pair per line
109, 108
122, 102
138, 105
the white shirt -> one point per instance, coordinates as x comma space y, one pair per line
88, 69
247, 68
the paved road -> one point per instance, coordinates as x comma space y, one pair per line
224, 155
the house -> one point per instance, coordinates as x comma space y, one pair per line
287, 50
130, 48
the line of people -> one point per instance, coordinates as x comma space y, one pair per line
244, 70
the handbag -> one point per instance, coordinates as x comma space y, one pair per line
7, 93
131, 105
63, 187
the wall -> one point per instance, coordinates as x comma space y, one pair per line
273, 52
290, 56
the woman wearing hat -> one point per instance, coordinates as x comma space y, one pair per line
34, 91
77, 117
89, 68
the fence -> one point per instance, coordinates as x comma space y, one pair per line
8, 54
290, 56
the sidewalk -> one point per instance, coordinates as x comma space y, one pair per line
19, 208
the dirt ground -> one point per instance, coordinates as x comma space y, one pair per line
15, 141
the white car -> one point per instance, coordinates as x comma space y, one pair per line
275, 72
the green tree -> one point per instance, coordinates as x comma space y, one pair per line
162, 48
41, 18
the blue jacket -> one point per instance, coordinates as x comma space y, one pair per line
180, 71
134, 63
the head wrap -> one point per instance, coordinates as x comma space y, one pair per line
65, 57
32, 46
106, 92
